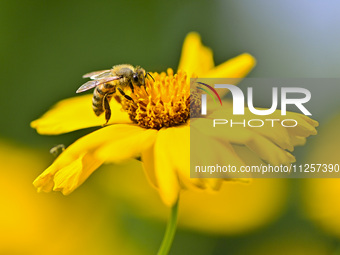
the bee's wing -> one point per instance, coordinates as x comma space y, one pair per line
101, 75
94, 74
91, 84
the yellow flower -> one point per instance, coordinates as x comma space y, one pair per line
156, 128
320, 196
26, 217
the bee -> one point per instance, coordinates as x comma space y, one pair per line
124, 76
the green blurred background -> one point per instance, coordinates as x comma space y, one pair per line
45, 48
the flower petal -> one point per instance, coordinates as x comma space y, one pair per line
237, 67
130, 143
148, 159
73, 175
207, 151
284, 137
167, 178
263, 147
178, 151
306, 126
208, 155
277, 134
44, 182
297, 140
79, 160
195, 57
67, 173
75, 113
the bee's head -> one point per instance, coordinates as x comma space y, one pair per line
138, 78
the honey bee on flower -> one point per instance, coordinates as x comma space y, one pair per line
155, 127
106, 82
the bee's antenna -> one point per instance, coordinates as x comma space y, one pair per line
150, 76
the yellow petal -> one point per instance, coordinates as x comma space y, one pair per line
195, 57
306, 126
68, 176
166, 176
285, 137
303, 129
73, 175
67, 173
237, 67
277, 134
76, 113
297, 140
127, 144
178, 151
44, 182
148, 159
78, 161
208, 151
101, 137
263, 147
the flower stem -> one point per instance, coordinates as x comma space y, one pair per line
170, 231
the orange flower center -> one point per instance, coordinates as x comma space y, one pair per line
163, 102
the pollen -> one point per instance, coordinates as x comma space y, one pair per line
195, 102
163, 102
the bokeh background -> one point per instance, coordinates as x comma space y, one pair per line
45, 48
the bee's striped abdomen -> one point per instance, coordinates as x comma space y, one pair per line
99, 93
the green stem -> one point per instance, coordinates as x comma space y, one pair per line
170, 231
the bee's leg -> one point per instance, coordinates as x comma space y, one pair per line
124, 95
132, 88
107, 109
145, 89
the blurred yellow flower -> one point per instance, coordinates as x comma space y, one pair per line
33, 224
321, 195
